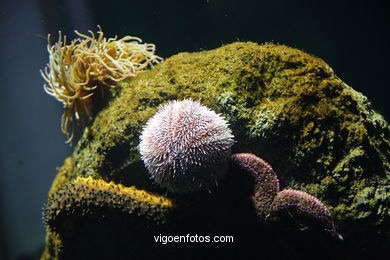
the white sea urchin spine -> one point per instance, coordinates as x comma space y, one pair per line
185, 146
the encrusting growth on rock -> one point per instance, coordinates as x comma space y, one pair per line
76, 71
84, 194
269, 199
186, 146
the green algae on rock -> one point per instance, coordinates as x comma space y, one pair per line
283, 104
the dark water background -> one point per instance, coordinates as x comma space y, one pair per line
351, 36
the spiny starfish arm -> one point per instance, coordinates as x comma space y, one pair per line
87, 196
266, 181
308, 205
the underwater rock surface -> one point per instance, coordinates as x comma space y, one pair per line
284, 105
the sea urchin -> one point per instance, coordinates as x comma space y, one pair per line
185, 146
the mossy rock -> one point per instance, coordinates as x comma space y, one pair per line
284, 105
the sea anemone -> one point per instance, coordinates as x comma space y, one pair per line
75, 71
186, 146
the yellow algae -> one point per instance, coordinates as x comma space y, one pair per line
64, 175
84, 192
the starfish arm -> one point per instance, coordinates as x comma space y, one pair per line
308, 205
266, 181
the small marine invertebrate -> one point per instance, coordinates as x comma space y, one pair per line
308, 205
75, 71
266, 181
269, 199
85, 195
185, 146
